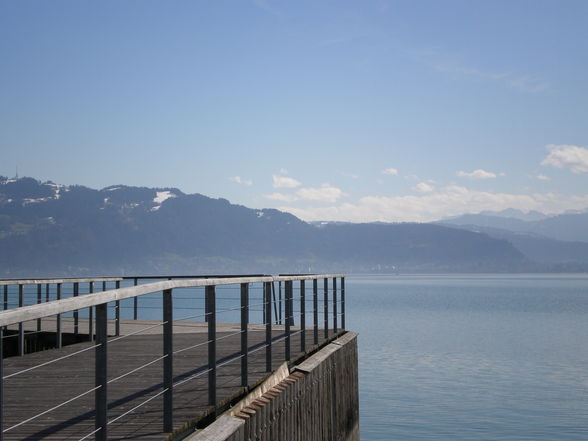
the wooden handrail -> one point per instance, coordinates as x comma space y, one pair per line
59, 280
41, 310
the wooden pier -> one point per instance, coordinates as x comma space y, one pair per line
132, 391
28, 395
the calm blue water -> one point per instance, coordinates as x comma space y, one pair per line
472, 357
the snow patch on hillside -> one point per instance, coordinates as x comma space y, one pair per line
28, 201
162, 196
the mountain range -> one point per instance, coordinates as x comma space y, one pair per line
565, 227
560, 241
48, 229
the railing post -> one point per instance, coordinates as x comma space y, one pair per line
47, 292
2, 383
315, 311
168, 348
5, 297
101, 373
302, 317
275, 303
279, 314
39, 300
117, 313
211, 314
334, 305
343, 303
288, 315
267, 305
135, 302
21, 336
58, 339
244, 336
326, 307
90, 314
76, 292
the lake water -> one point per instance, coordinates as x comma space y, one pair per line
474, 357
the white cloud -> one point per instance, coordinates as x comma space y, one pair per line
447, 201
390, 171
240, 180
526, 83
543, 178
476, 174
523, 82
326, 193
268, 7
284, 182
281, 197
571, 156
424, 187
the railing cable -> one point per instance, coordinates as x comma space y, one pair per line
48, 362
138, 406
136, 332
52, 409
90, 434
136, 369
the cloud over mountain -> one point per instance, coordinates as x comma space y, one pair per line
476, 174
567, 156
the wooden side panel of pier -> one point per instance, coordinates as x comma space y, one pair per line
318, 401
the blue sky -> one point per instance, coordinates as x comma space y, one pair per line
332, 110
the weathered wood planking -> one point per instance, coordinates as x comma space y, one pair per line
38, 390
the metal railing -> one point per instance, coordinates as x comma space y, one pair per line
18, 293
279, 310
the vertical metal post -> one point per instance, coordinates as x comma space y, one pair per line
47, 292
76, 292
211, 314
302, 317
288, 316
58, 339
263, 314
275, 303
135, 302
334, 305
90, 314
315, 311
168, 348
101, 373
326, 307
21, 336
5, 308
244, 336
279, 317
343, 303
117, 313
39, 300
267, 307
2, 384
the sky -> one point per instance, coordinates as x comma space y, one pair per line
331, 110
